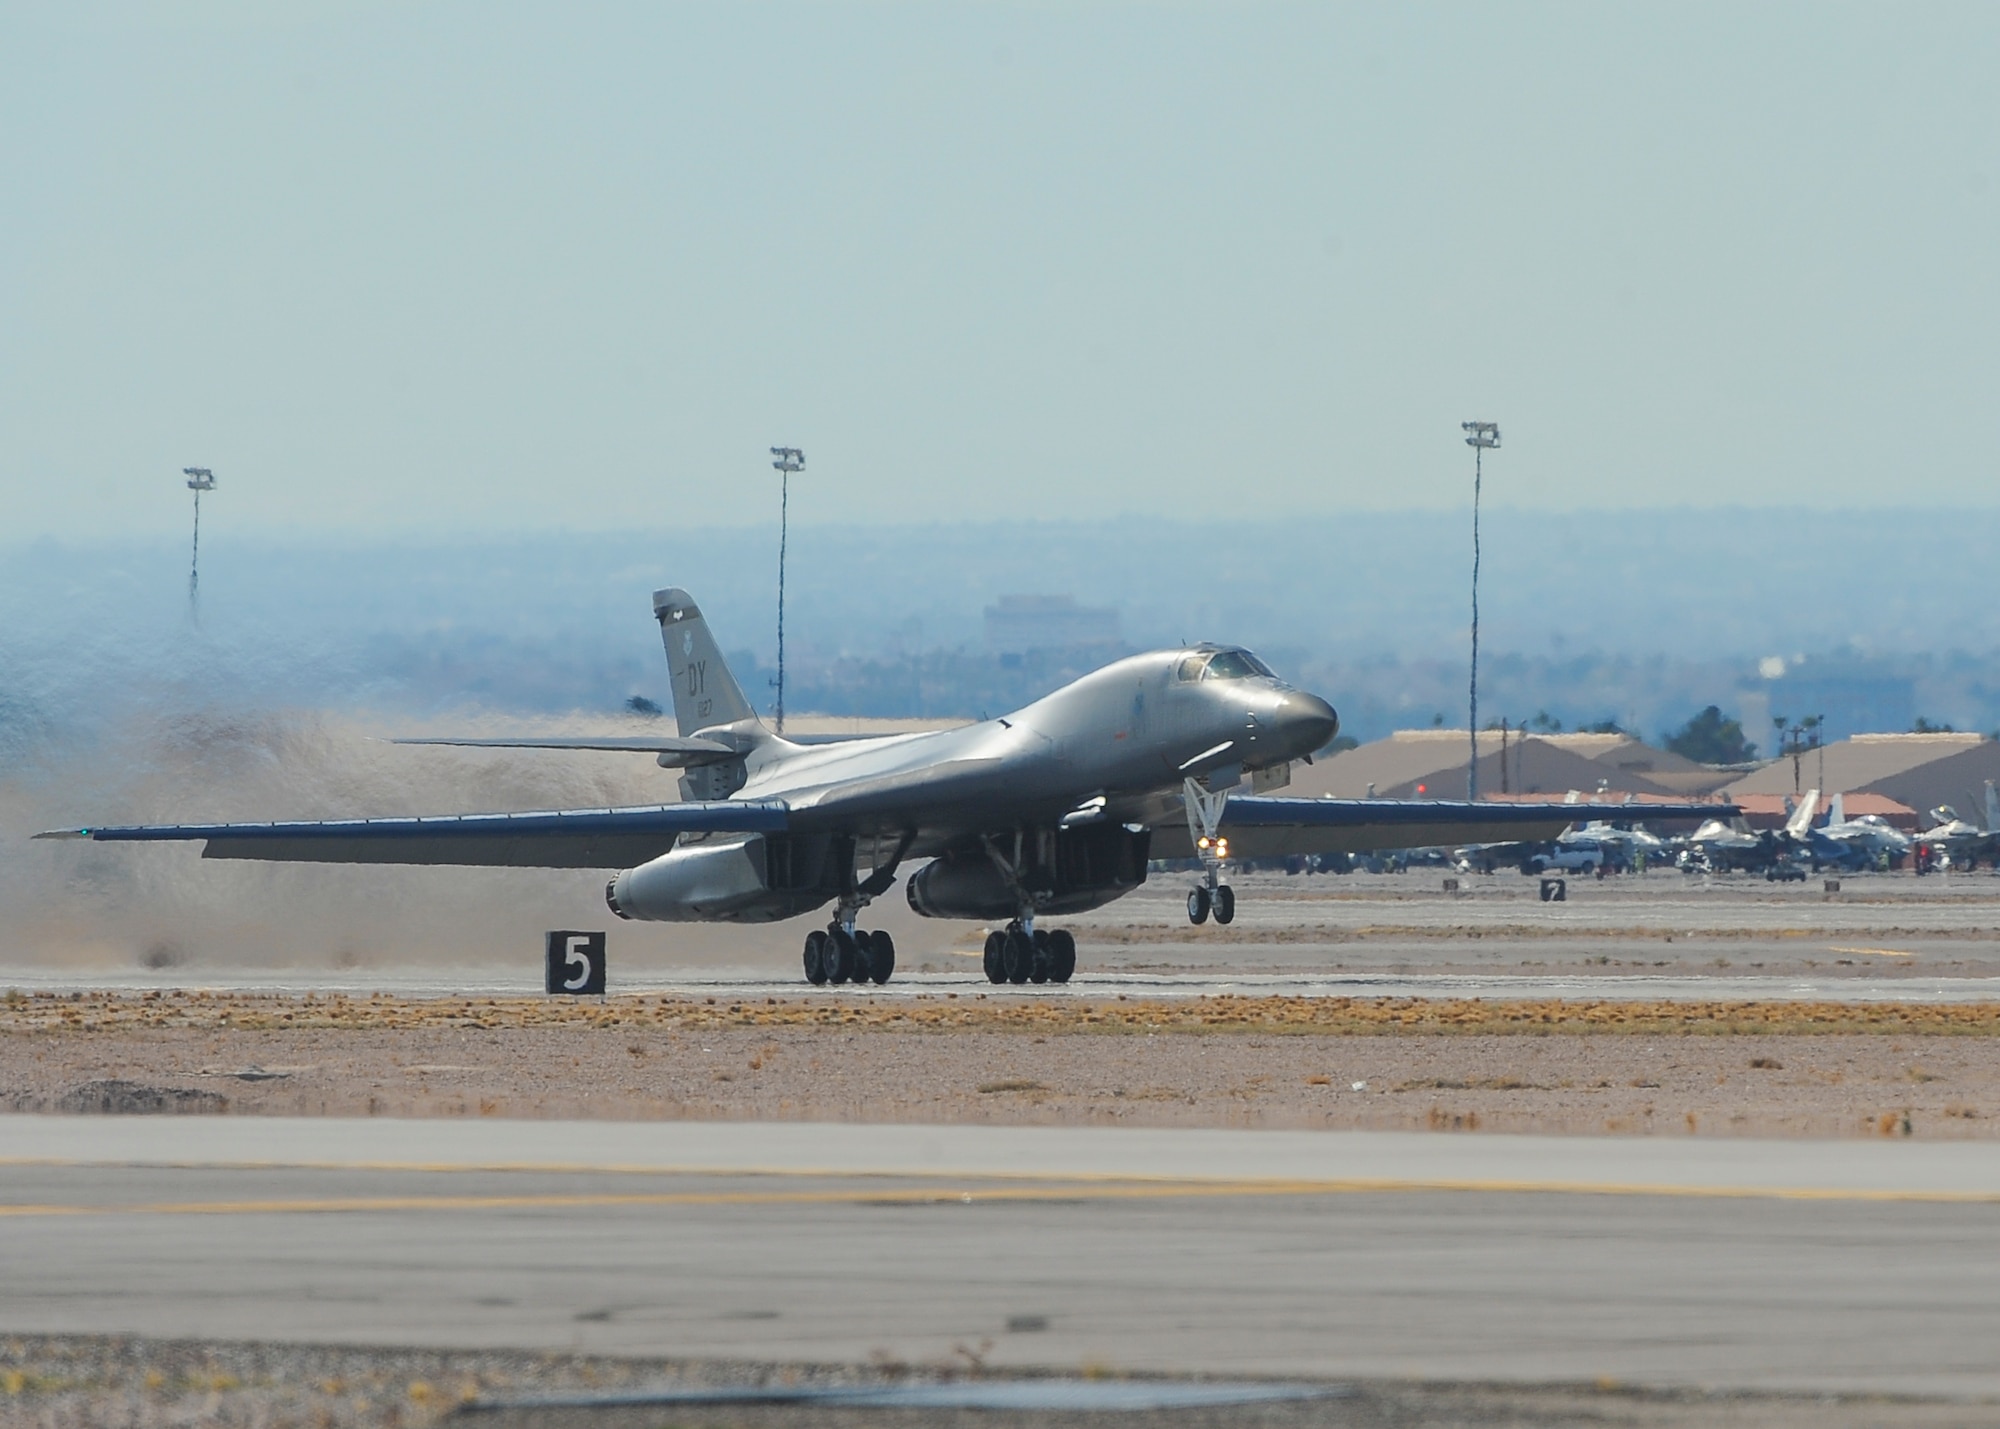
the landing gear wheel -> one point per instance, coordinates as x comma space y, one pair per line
1062, 955
863, 966
1038, 970
1019, 956
881, 957
1225, 904
1198, 906
842, 957
996, 957
816, 957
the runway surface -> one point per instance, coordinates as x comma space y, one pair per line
715, 982
1821, 1265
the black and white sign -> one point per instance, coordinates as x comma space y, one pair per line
575, 963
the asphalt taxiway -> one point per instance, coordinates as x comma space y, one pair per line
1821, 1265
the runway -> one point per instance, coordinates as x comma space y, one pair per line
516, 981
1747, 1264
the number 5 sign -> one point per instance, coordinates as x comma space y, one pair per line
575, 963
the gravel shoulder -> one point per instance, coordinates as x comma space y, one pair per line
1758, 1069
89, 1381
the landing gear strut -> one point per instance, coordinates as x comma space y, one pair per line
1204, 816
845, 953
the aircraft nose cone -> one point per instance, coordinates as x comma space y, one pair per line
1307, 722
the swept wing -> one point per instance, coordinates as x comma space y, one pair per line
1267, 826
566, 838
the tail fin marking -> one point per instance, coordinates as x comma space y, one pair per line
705, 693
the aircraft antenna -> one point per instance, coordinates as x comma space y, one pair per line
789, 460
1479, 436
199, 479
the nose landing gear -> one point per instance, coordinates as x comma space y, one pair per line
1211, 897
1204, 814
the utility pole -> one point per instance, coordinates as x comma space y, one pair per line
1795, 739
199, 479
1480, 436
789, 460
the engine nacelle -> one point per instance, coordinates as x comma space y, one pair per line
1065, 870
726, 880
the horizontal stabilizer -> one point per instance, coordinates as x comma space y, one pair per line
1260, 826
673, 751
570, 838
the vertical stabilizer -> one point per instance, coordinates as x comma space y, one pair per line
1992, 809
705, 693
1836, 812
1801, 818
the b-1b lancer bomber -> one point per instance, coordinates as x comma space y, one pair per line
1054, 809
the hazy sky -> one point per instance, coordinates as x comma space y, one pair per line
418, 267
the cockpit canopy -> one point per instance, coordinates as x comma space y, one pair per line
1223, 665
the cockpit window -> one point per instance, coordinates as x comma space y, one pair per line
1235, 665
1190, 668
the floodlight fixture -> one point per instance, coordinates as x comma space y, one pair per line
199, 479
789, 460
1481, 437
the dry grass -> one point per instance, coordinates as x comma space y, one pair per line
1337, 1016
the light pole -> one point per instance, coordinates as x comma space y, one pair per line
789, 460
1479, 436
199, 479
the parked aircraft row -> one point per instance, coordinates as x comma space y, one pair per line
1728, 844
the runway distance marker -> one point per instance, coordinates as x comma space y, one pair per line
574, 963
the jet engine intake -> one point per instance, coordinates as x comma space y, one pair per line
1062, 870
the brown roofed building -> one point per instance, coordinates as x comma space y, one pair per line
1920, 771
1767, 811
1430, 764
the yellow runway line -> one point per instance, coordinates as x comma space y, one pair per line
970, 1195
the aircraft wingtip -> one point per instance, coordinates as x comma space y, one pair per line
64, 834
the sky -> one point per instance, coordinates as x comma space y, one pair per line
425, 269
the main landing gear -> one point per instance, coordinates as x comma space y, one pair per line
845, 953
1021, 953
849, 955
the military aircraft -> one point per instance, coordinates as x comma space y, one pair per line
1855, 843
1962, 842
1721, 844
1054, 809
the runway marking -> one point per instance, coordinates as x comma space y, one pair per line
971, 1195
1874, 952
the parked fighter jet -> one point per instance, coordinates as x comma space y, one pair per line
1729, 843
1850, 843
1054, 809
1961, 842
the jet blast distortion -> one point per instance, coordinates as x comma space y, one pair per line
199, 479
1479, 436
789, 460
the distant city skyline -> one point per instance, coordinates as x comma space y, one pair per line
395, 270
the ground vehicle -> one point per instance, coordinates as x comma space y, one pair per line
1569, 857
